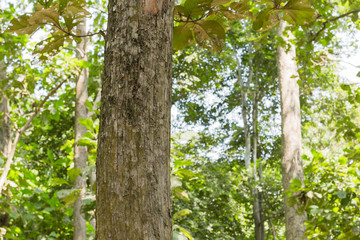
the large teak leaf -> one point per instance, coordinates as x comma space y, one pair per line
210, 34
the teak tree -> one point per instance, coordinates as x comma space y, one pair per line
291, 163
133, 177
80, 152
133, 164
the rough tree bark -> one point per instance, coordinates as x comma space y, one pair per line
80, 152
291, 162
133, 172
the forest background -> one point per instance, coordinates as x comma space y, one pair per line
226, 177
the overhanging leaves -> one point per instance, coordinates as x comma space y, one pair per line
182, 35
298, 12
265, 20
196, 8
210, 34
219, 2
21, 26
51, 44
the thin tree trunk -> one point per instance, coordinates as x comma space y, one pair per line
5, 136
80, 152
244, 95
291, 162
257, 211
258, 206
18, 135
133, 163
5, 123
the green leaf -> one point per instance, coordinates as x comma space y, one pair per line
343, 160
180, 11
298, 12
196, 8
296, 182
345, 87
58, 181
87, 122
68, 196
240, 7
183, 231
219, 2
181, 213
265, 20
181, 194
76, 11
50, 155
210, 34
182, 35
73, 173
51, 44
89, 104
86, 142
182, 172
21, 26
44, 16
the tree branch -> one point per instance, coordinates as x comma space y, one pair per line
101, 32
21, 131
333, 20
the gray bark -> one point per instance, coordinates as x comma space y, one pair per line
5, 128
80, 152
257, 206
244, 95
291, 162
132, 168
5, 137
5, 124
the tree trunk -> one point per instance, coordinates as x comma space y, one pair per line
133, 170
80, 152
18, 134
244, 95
257, 204
291, 162
5, 137
5, 124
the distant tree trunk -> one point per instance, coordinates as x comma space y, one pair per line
80, 152
5, 124
244, 112
291, 162
5, 129
132, 168
257, 206
5, 137
19, 132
